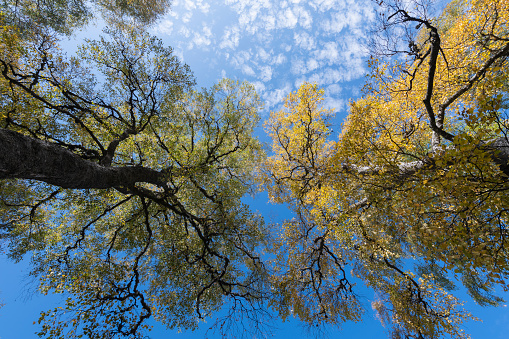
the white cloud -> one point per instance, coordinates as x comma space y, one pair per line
329, 52
336, 104
204, 38
204, 7
248, 70
201, 39
207, 31
323, 5
241, 58
230, 38
351, 18
287, 19
196, 4
298, 67
332, 76
262, 54
304, 40
186, 32
269, 22
277, 43
265, 73
187, 17
259, 86
286, 47
305, 18
312, 64
189, 4
274, 97
279, 59
253, 14
333, 89
328, 76
165, 27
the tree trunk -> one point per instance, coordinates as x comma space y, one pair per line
501, 154
24, 157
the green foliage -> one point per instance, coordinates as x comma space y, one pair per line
175, 245
60, 15
65, 16
143, 11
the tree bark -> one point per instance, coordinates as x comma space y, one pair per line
500, 146
23, 157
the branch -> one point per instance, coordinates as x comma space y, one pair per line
501, 53
24, 157
402, 170
112, 147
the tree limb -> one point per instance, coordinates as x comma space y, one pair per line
24, 157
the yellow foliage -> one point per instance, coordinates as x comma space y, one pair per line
413, 176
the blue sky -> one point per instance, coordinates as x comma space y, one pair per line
276, 45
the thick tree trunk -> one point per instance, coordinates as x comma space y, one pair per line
501, 156
24, 157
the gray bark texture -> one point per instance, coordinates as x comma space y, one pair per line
501, 153
24, 157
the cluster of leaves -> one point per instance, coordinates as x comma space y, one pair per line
414, 193
65, 16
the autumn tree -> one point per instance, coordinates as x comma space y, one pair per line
65, 16
412, 198
124, 183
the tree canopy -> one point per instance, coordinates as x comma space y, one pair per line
412, 197
125, 183
65, 16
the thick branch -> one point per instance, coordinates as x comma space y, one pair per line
110, 152
24, 157
500, 54
403, 169
436, 126
499, 149
435, 122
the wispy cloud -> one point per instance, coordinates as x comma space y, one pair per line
328, 53
230, 38
304, 40
274, 97
265, 73
165, 27
202, 38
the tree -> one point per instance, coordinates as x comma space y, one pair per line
413, 194
127, 195
65, 16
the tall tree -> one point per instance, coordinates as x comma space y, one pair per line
413, 195
125, 184
65, 16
